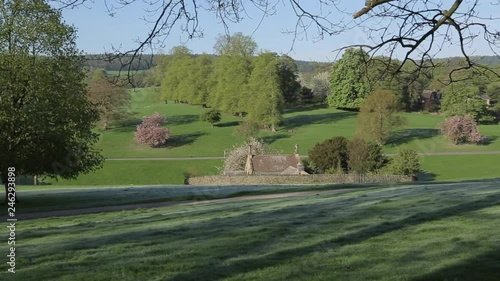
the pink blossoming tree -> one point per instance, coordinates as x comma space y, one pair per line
461, 129
151, 132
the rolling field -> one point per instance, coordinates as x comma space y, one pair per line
416, 232
306, 127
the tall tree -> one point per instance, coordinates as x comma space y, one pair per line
288, 72
264, 85
348, 80
235, 45
110, 99
378, 116
175, 71
201, 85
46, 119
463, 98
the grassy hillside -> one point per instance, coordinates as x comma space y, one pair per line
305, 127
434, 232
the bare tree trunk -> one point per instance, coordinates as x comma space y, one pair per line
35, 180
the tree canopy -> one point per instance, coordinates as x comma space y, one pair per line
46, 119
348, 83
378, 116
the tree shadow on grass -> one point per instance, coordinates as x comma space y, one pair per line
405, 136
252, 250
426, 176
489, 140
483, 267
186, 139
182, 119
304, 108
277, 257
126, 126
309, 119
272, 138
227, 124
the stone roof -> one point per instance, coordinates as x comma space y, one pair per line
274, 163
293, 171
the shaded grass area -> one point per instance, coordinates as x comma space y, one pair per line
434, 232
54, 198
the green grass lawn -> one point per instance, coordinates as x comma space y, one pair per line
418, 233
143, 173
460, 167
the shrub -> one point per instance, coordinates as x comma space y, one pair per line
406, 162
461, 129
329, 154
151, 132
212, 116
309, 166
365, 156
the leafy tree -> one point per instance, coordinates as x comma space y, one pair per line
461, 129
348, 83
151, 132
46, 120
264, 84
212, 116
406, 162
110, 99
235, 45
493, 91
330, 154
378, 116
288, 72
414, 83
230, 79
201, 85
365, 156
320, 86
463, 98
176, 69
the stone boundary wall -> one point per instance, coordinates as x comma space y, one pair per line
296, 179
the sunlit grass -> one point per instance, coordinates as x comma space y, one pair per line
435, 232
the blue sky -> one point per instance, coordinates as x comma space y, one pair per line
98, 32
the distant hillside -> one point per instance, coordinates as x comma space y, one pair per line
102, 61
311, 67
485, 60
305, 67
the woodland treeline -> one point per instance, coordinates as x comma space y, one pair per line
240, 80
